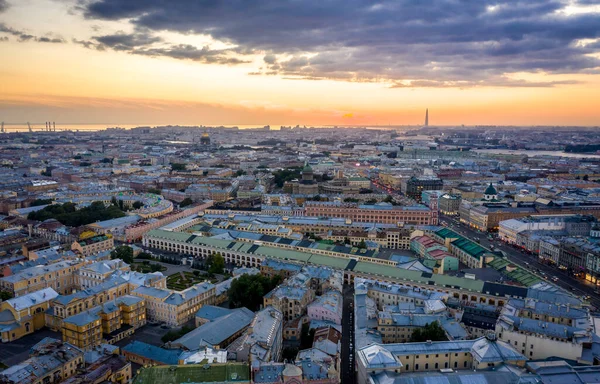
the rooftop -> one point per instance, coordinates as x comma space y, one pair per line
201, 373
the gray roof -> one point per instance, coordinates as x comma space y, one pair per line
216, 331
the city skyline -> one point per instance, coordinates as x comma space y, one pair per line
130, 62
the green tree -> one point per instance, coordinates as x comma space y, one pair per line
137, 204
187, 201
289, 353
174, 335
156, 191
585, 178
306, 336
248, 290
178, 167
217, 264
106, 160
362, 244
239, 172
69, 215
283, 175
124, 253
431, 331
38, 202
5, 295
144, 255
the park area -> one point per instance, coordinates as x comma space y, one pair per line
147, 267
182, 280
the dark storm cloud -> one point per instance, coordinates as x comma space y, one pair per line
444, 41
123, 41
143, 43
25, 37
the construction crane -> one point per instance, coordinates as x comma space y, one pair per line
54, 126
29, 126
2, 129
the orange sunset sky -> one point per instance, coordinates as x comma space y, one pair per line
282, 62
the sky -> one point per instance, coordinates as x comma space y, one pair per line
309, 62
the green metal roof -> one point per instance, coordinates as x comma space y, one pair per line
470, 247
440, 281
446, 233
196, 373
328, 261
490, 190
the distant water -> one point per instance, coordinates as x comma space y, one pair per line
536, 153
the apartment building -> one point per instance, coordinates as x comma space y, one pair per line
449, 204
572, 225
65, 306
24, 315
106, 323
468, 252
327, 307
50, 361
400, 358
262, 341
137, 231
540, 329
414, 186
393, 238
95, 273
384, 294
175, 308
381, 212
58, 276
290, 298
427, 248
93, 245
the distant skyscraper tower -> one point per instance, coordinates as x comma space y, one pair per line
205, 139
427, 117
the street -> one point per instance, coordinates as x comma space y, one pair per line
347, 373
528, 261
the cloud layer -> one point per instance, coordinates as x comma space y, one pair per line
24, 36
408, 43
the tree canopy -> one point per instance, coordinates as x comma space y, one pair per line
216, 264
288, 174
69, 215
248, 290
38, 202
124, 253
178, 167
187, 201
431, 331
